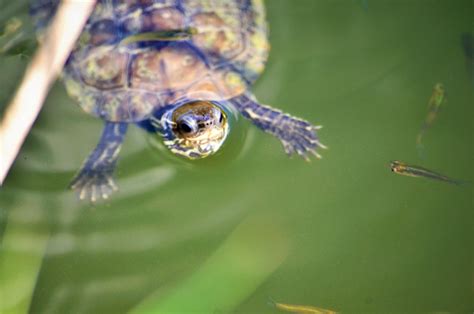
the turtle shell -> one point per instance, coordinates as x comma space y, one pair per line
118, 79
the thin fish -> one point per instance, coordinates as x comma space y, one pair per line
165, 35
467, 41
12, 25
300, 309
438, 97
14, 40
416, 171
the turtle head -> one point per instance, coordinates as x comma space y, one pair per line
195, 129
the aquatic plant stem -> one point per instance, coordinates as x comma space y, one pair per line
39, 76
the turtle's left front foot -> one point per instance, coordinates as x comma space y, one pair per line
297, 136
94, 184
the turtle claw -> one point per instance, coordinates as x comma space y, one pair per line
93, 185
302, 141
95, 182
298, 136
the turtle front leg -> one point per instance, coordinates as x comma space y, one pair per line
95, 178
297, 135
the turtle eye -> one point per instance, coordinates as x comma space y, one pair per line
184, 127
221, 117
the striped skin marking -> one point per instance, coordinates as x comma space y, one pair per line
94, 180
206, 128
297, 135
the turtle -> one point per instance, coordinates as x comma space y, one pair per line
173, 68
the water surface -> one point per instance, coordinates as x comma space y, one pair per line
226, 234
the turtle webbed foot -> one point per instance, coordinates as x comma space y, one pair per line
94, 185
299, 137
95, 179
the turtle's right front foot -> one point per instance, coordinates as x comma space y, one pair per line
95, 179
94, 184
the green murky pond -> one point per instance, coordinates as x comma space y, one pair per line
227, 234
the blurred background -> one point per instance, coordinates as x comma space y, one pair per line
228, 233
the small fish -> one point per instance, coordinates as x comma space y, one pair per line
467, 41
14, 40
300, 309
165, 35
437, 98
11, 26
415, 171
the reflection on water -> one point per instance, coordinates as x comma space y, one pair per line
154, 178
124, 239
243, 262
106, 289
340, 233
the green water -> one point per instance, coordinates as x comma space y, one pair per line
227, 234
